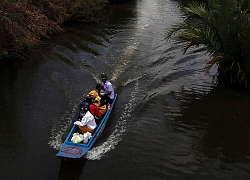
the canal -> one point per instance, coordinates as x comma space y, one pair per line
171, 120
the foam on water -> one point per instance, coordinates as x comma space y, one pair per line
58, 130
97, 152
125, 59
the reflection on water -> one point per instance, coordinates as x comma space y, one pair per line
216, 129
171, 120
224, 128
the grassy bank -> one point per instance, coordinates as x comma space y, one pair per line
24, 23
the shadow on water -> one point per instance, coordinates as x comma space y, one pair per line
71, 169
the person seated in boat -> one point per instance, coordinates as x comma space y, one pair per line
98, 101
99, 87
82, 111
93, 108
104, 97
88, 121
108, 88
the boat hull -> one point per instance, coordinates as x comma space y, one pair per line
71, 150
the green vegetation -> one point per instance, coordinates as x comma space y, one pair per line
220, 28
25, 22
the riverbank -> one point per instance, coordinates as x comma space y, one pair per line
25, 23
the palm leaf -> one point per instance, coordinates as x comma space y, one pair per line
221, 29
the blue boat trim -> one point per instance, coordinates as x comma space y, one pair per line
71, 150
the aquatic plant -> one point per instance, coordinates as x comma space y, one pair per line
221, 29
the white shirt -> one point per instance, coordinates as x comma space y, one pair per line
87, 120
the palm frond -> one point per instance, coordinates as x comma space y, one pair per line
221, 29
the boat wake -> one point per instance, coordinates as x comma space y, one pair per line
58, 130
97, 152
122, 64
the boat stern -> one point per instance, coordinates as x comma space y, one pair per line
72, 151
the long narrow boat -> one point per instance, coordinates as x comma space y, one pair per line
71, 150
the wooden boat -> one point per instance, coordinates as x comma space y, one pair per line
71, 150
